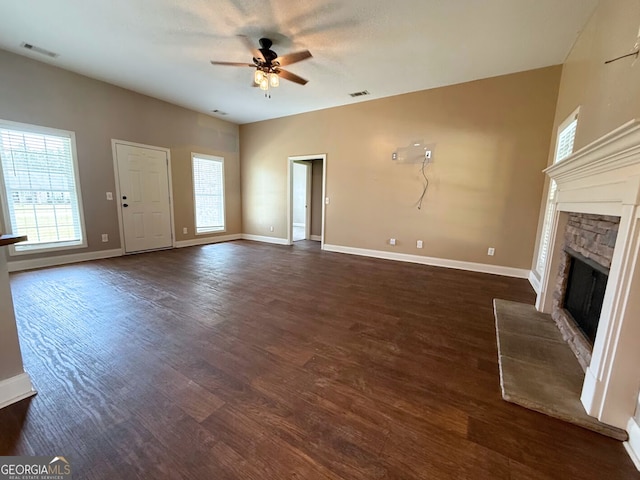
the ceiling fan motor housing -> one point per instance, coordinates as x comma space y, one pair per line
268, 54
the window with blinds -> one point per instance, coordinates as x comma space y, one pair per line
564, 148
208, 193
41, 197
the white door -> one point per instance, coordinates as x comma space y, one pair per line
143, 177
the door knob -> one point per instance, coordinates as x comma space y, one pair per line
125, 205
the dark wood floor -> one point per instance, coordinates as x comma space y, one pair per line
251, 361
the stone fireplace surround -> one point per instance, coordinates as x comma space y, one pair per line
603, 178
592, 236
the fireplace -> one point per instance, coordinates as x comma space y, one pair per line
588, 242
601, 180
586, 284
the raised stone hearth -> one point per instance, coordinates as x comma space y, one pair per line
594, 237
538, 370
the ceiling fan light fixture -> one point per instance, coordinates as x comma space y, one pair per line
274, 80
264, 83
258, 76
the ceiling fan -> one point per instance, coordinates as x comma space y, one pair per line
269, 65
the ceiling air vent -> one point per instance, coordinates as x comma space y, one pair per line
218, 112
360, 94
39, 50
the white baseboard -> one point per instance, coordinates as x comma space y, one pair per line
315, 238
632, 446
435, 262
260, 238
14, 389
20, 265
207, 240
534, 281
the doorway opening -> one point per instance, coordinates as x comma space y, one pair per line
306, 206
301, 200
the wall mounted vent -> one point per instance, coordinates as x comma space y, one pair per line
360, 94
39, 50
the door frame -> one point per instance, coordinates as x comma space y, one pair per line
117, 198
300, 158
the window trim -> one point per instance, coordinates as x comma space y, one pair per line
551, 192
221, 160
59, 246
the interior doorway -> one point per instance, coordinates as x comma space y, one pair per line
301, 200
306, 206
144, 196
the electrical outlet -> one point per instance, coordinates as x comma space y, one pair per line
491, 252
392, 241
327, 201
109, 195
185, 230
419, 244
105, 237
271, 228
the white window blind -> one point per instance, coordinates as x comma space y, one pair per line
564, 148
208, 187
41, 195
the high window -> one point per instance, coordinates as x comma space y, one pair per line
208, 193
40, 187
564, 148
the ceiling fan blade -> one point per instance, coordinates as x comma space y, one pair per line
233, 64
257, 54
295, 57
292, 77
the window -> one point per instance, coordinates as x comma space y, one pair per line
564, 148
41, 194
208, 193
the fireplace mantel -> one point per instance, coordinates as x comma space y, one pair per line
612, 153
604, 178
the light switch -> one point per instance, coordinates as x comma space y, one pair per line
109, 195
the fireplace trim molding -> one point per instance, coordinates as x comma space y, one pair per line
604, 178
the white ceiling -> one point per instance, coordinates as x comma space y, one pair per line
163, 47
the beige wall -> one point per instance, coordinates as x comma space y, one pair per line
492, 139
608, 95
35, 93
316, 197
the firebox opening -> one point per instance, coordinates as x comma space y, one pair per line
584, 296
